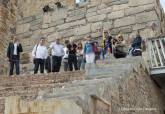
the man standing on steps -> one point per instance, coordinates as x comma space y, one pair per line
57, 53
13, 53
39, 55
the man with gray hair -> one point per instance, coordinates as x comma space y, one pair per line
57, 54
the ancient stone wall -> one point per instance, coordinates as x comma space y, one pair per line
28, 86
8, 18
14, 105
161, 15
7, 28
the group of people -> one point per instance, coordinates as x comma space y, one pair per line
74, 56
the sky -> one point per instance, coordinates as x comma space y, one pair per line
163, 3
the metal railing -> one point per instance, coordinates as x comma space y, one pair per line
156, 49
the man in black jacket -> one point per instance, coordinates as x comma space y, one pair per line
13, 54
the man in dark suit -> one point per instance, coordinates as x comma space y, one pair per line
13, 54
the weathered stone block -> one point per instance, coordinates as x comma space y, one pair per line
108, 25
126, 29
140, 2
25, 41
57, 22
134, 10
22, 28
146, 33
36, 27
146, 16
96, 26
12, 105
63, 26
93, 9
91, 14
139, 26
95, 34
67, 33
46, 18
75, 17
78, 23
53, 36
28, 19
94, 3
125, 21
77, 12
119, 2
116, 14
36, 22
36, 35
107, 1
102, 6
15, 106
49, 30
25, 35
119, 7
105, 10
45, 26
59, 14
96, 18
83, 30
28, 48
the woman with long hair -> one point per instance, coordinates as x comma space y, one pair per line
80, 60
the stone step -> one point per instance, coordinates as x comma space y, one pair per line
114, 72
45, 87
41, 79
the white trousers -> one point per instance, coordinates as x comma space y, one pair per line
90, 58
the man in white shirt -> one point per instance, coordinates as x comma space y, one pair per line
39, 55
57, 54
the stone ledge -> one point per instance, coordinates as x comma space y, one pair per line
41, 79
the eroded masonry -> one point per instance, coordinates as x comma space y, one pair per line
122, 87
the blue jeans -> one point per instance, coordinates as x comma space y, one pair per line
81, 63
14, 62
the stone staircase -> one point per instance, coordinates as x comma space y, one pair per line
122, 83
28, 87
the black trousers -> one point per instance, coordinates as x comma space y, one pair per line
48, 64
14, 62
56, 63
72, 61
39, 63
